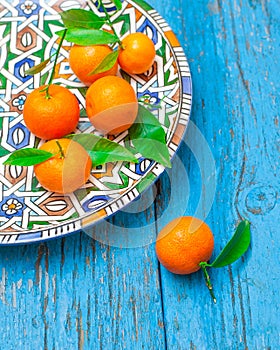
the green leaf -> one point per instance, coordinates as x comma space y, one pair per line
38, 68
102, 150
28, 156
236, 246
107, 63
152, 149
88, 141
118, 4
87, 36
81, 18
148, 137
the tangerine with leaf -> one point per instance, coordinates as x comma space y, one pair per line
84, 60
186, 244
67, 170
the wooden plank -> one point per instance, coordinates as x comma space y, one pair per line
234, 57
81, 293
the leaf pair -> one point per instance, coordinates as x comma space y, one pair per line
148, 137
83, 28
99, 149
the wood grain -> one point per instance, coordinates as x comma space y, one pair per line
233, 51
79, 293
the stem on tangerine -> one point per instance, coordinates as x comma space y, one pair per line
108, 18
48, 96
62, 154
203, 265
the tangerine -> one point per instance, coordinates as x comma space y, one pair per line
84, 59
51, 117
137, 53
111, 105
67, 170
183, 243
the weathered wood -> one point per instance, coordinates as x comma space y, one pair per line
233, 49
79, 293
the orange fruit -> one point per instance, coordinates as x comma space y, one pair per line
111, 105
53, 117
183, 243
67, 170
84, 59
137, 54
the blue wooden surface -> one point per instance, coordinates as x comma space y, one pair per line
80, 293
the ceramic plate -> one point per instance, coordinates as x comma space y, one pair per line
28, 213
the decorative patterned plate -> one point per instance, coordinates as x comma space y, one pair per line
28, 213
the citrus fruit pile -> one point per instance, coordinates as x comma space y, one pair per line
111, 103
52, 111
